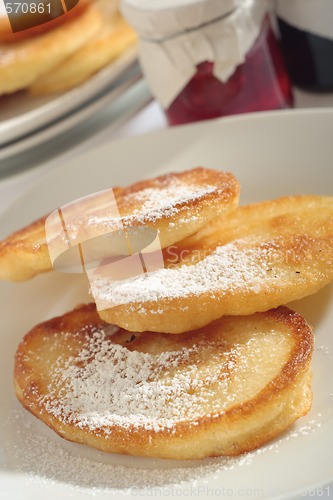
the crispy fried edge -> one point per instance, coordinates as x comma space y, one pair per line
20, 259
294, 377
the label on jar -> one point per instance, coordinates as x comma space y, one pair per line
171, 63
314, 16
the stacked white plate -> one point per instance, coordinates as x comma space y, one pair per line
27, 121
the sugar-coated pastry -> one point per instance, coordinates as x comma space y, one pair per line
23, 62
173, 205
114, 38
256, 258
221, 390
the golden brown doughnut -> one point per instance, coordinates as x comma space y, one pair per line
253, 259
22, 63
114, 38
222, 390
173, 205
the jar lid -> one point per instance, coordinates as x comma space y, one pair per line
171, 50
159, 19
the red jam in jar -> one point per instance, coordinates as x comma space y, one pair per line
260, 83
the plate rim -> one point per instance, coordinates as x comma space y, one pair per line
59, 105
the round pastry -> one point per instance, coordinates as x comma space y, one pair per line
172, 206
256, 258
23, 62
222, 390
114, 38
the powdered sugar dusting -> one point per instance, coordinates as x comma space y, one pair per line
109, 210
165, 201
230, 267
47, 460
152, 204
107, 384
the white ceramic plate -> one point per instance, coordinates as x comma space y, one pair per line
22, 114
272, 155
68, 122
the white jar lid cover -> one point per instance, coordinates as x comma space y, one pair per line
177, 35
157, 19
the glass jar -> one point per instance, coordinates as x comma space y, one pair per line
224, 62
306, 28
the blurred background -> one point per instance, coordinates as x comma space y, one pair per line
72, 71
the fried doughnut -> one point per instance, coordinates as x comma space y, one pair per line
112, 40
256, 258
175, 205
222, 390
22, 63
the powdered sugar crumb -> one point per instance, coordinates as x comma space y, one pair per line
107, 385
48, 461
152, 204
229, 267
156, 203
324, 349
